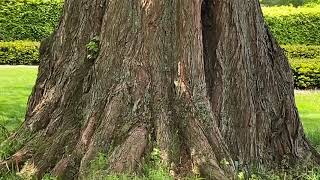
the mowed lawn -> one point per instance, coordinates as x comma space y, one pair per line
16, 83
308, 103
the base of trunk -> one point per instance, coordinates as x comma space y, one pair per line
204, 82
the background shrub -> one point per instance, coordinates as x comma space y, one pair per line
282, 2
306, 73
36, 19
304, 60
19, 53
302, 51
289, 2
292, 25
28, 19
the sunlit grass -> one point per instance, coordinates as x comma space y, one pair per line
15, 87
308, 103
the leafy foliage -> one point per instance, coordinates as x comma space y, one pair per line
289, 2
306, 172
28, 19
19, 52
292, 25
306, 70
155, 169
282, 2
93, 48
36, 19
152, 170
306, 73
302, 51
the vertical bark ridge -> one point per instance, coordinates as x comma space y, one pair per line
250, 85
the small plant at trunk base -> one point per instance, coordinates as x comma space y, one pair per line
100, 162
99, 170
152, 170
155, 156
155, 169
241, 175
48, 176
93, 48
307, 172
224, 162
98, 167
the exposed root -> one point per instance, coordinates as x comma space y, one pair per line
127, 156
202, 153
16, 161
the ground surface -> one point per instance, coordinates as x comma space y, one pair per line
16, 83
15, 87
308, 103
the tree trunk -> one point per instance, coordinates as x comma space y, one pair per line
203, 81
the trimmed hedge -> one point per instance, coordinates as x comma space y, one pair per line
28, 19
289, 2
306, 73
301, 51
282, 2
36, 19
19, 53
292, 25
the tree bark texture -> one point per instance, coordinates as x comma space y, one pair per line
203, 81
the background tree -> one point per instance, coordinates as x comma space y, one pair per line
203, 81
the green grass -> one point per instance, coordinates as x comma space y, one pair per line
308, 103
15, 87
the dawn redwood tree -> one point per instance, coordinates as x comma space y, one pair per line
203, 81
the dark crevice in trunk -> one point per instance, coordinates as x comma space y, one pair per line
212, 66
209, 35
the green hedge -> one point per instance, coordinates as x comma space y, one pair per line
306, 73
36, 19
302, 51
282, 2
289, 2
19, 53
292, 25
28, 19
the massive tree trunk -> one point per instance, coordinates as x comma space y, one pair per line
203, 81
